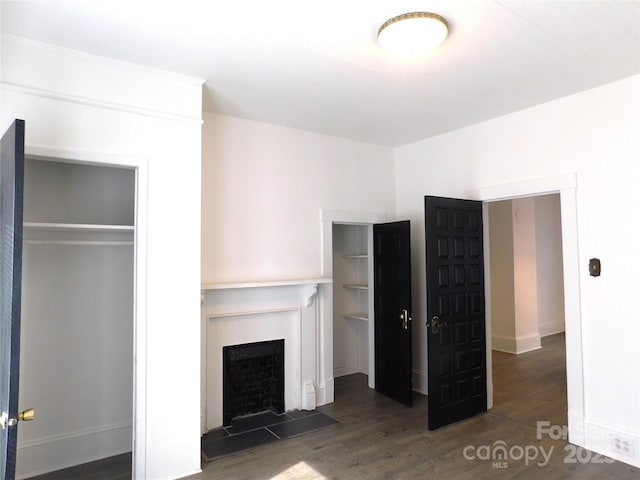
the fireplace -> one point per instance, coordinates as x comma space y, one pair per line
242, 314
252, 379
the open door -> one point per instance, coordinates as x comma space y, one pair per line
11, 202
392, 310
455, 310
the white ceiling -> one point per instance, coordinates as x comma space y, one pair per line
317, 66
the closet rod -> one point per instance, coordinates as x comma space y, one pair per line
78, 242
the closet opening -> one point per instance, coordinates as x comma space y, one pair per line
353, 344
78, 320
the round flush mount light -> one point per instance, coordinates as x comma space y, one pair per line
413, 34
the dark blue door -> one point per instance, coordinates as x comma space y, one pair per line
11, 201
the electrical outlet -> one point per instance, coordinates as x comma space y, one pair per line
622, 445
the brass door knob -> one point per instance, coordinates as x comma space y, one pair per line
27, 415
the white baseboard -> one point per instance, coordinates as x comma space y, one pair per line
342, 371
325, 392
550, 328
602, 439
185, 475
576, 428
56, 452
515, 345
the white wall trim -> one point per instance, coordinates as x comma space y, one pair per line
71, 435
600, 438
487, 309
550, 328
139, 361
94, 102
189, 474
325, 337
57, 452
342, 371
528, 188
566, 185
73, 76
516, 345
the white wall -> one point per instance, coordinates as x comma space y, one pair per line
549, 265
595, 135
263, 189
74, 104
503, 325
525, 275
525, 244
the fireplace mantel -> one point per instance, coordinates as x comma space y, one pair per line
310, 283
264, 283
245, 312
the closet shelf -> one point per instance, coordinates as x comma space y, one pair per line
356, 286
76, 227
357, 316
46, 233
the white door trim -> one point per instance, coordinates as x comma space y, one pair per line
325, 347
566, 186
140, 165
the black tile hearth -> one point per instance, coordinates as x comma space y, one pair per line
302, 425
252, 422
302, 413
255, 430
235, 443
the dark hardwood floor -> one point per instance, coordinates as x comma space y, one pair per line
378, 438
112, 468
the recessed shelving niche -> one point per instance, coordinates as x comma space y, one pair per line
351, 299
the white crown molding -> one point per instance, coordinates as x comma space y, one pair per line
52, 72
93, 102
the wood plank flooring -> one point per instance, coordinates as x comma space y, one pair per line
112, 468
378, 438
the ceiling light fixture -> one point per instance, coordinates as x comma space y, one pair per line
413, 34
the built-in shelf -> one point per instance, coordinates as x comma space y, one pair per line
357, 316
52, 233
356, 255
357, 286
76, 227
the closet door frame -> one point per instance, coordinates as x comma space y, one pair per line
139, 360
